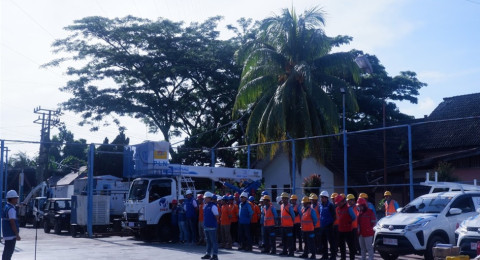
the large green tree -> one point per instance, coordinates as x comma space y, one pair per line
289, 79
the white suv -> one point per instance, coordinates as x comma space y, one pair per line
468, 234
424, 222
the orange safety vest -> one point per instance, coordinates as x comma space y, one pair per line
200, 213
256, 213
344, 219
317, 210
287, 220
390, 208
268, 217
355, 222
225, 215
307, 221
297, 216
234, 209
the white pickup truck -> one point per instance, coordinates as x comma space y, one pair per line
426, 221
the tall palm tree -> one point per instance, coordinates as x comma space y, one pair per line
290, 82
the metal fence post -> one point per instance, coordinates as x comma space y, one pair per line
410, 160
212, 157
6, 170
293, 166
90, 190
2, 146
248, 157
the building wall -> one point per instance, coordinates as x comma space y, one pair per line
277, 174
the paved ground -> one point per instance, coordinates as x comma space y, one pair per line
65, 247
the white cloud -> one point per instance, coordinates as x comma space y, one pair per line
424, 107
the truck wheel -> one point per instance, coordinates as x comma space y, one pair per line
388, 256
57, 228
146, 234
432, 242
46, 227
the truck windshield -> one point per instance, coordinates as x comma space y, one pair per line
62, 204
138, 190
427, 205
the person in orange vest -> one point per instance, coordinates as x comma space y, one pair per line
201, 234
352, 203
366, 221
308, 221
255, 222
225, 217
317, 230
391, 205
345, 216
297, 233
269, 217
287, 215
234, 220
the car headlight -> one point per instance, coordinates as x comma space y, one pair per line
377, 227
462, 228
417, 225
141, 214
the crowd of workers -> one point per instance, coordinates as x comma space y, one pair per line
326, 226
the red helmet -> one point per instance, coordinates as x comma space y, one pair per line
236, 195
200, 196
174, 201
339, 199
361, 201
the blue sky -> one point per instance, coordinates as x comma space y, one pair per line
438, 39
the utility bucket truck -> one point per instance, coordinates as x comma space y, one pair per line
148, 205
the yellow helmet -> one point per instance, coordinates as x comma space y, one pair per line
266, 197
313, 196
294, 197
387, 193
305, 199
284, 195
350, 197
363, 195
334, 195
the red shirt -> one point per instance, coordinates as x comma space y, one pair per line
366, 222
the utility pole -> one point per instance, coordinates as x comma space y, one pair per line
47, 118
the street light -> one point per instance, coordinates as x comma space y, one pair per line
342, 90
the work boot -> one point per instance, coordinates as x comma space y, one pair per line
215, 257
303, 255
206, 257
312, 257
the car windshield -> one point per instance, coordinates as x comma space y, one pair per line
138, 190
62, 204
427, 205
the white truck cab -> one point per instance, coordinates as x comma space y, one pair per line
426, 221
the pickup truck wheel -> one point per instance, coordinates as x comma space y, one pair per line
432, 242
388, 256
46, 227
57, 228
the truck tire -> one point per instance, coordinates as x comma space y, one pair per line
388, 256
46, 227
57, 228
432, 242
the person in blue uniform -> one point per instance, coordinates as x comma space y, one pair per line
10, 225
210, 223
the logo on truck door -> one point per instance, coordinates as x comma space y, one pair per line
163, 204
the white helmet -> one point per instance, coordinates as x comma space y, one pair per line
324, 194
219, 198
188, 192
207, 194
181, 197
244, 194
12, 194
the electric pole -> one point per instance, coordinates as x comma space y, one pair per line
47, 118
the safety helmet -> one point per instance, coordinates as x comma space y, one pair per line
324, 194
279, 199
334, 195
305, 199
387, 193
188, 192
208, 194
12, 194
261, 199
230, 197
180, 197
265, 193
363, 195
350, 197
225, 197
199, 196
174, 201
284, 195
342, 194
294, 197
251, 198
339, 199
361, 201
219, 198
266, 197
236, 194
244, 194
313, 196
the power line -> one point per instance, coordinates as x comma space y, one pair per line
31, 18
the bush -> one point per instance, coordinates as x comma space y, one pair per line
312, 184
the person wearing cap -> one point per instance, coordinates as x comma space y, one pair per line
308, 221
287, 219
182, 218
297, 233
269, 217
327, 217
210, 222
345, 216
10, 225
254, 223
317, 230
245, 213
191, 207
352, 203
174, 222
201, 234
366, 222
390, 205
225, 218
369, 204
234, 221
